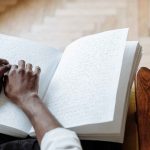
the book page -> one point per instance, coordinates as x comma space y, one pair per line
14, 49
132, 54
84, 87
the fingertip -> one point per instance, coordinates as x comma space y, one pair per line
37, 70
4, 69
8, 66
4, 61
21, 64
21, 61
29, 66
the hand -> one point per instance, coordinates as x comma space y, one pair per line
21, 82
4, 67
21, 87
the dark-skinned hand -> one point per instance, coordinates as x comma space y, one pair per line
4, 67
21, 82
21, 86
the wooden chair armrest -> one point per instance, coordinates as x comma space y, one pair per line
143, 107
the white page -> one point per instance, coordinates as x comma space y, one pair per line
14, 49
83, 89
132, 54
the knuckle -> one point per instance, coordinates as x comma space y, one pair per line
35, 75
28, 72
12, 71
21, 70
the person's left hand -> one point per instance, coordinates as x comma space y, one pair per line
4, 67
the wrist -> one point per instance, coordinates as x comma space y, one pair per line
27, 99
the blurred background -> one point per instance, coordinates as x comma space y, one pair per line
58, 22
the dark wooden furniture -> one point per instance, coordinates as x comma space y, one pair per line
143, 107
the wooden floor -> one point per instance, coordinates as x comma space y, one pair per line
58, 22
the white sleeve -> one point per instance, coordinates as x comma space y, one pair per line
60, 139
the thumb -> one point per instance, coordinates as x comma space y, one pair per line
5, 80
4, 69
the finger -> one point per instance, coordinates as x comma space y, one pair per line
3, 62
13, 67
5, 80
37, 70
29, 67
4, 69
21, 64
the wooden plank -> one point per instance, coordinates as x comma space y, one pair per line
143, 17
143, 107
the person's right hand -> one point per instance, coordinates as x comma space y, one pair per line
21, 82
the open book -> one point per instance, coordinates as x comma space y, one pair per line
86, 87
